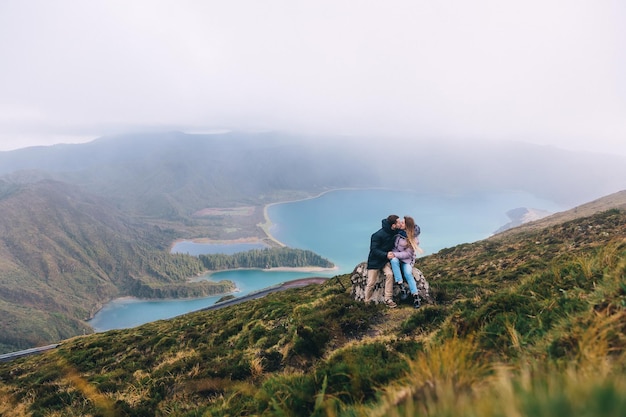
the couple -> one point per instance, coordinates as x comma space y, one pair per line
393, 249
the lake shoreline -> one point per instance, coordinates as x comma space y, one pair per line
448, 220
278, 269
267, 224
285, 284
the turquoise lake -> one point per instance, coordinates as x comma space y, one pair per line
338, 225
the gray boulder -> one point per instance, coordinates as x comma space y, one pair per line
359, 281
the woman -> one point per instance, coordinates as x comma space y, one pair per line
405, 250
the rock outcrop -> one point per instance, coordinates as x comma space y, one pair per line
359, 281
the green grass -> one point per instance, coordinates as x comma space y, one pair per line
519, 328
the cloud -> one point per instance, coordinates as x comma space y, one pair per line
541, 71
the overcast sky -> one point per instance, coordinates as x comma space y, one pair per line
545, 71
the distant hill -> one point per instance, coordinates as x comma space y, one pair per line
173, 175
613, 201
522, 215
64, 252
528, 322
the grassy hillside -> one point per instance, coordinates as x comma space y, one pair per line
63, 253
528, 323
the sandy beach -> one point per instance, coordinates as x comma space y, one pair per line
267, 225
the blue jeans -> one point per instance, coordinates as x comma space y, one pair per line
407, 270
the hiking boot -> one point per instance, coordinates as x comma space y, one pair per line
391, 304
416, 301
403, 293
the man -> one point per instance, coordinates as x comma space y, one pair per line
381, 245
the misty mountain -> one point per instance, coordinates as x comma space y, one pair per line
569, 178
172, 175
175, 174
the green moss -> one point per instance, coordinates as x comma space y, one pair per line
424, 320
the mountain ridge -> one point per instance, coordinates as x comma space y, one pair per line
172, 175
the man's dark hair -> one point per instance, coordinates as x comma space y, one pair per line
392, 218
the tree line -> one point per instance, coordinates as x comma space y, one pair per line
265, 258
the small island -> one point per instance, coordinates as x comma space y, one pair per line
267, 258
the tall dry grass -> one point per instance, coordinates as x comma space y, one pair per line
454, 379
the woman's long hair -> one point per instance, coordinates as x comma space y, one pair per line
410, 234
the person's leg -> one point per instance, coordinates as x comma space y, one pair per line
372, 277
395, 267
407, 270
389, 285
